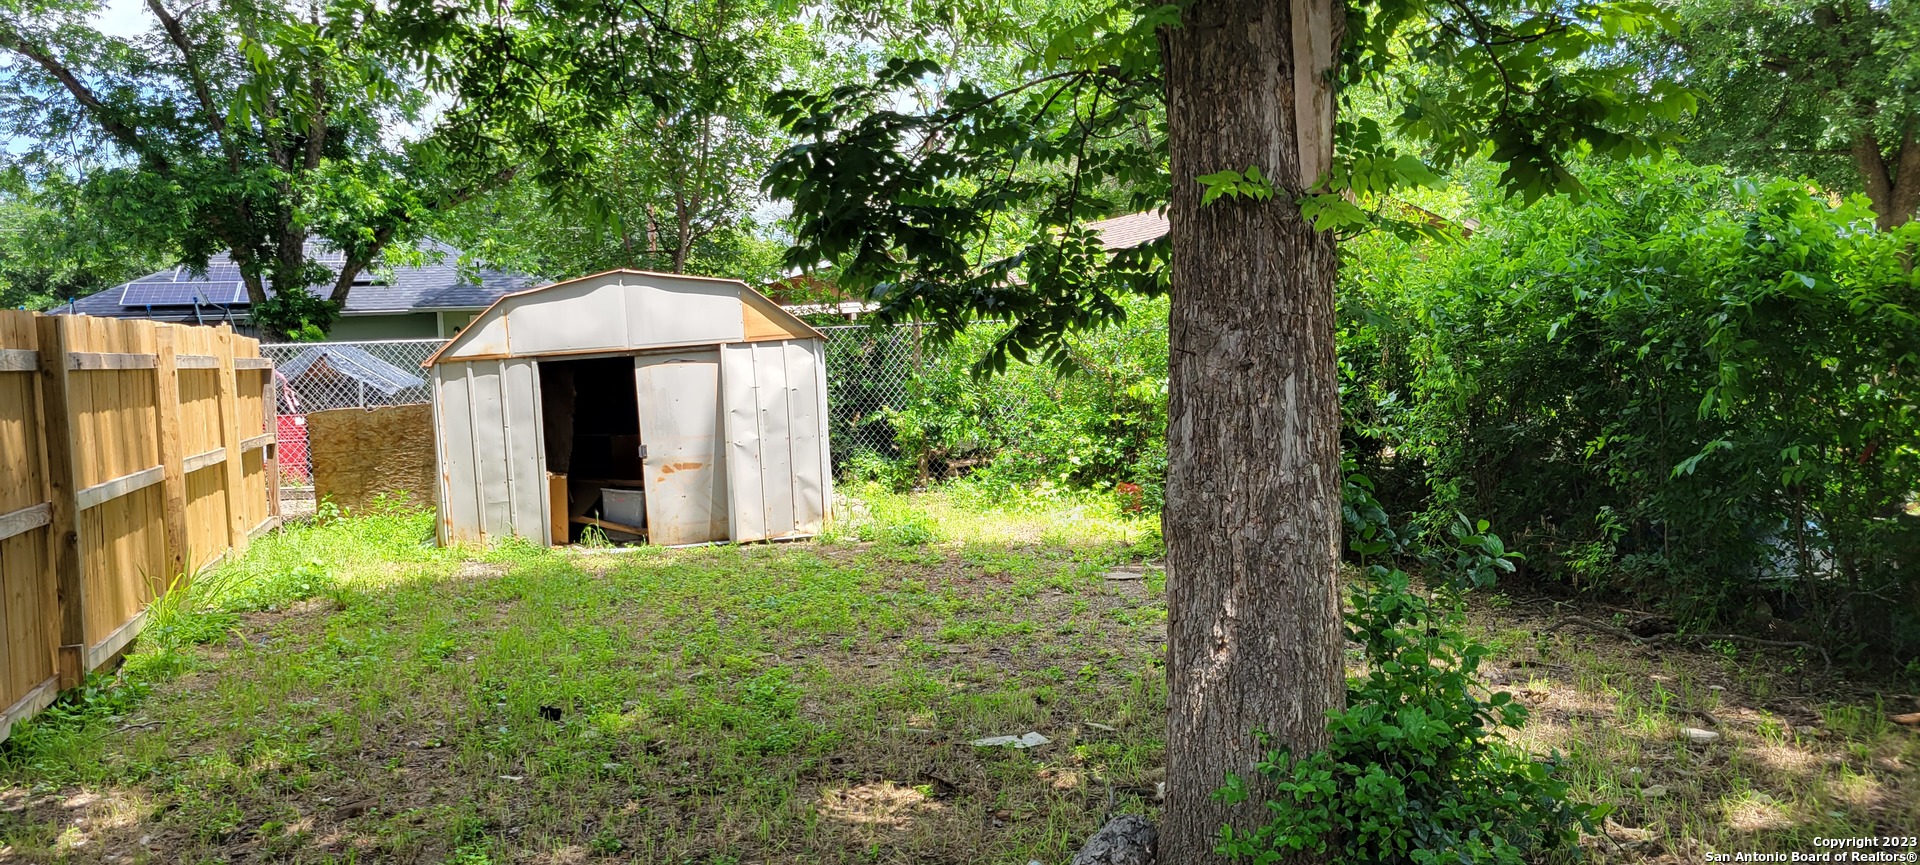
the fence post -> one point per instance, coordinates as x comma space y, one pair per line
63, 535
270, 458
173, 489
230, 438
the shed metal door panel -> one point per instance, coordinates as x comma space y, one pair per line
775, 455
489, 448
459, 481
808, 428
525, 455
490, 451
686, 468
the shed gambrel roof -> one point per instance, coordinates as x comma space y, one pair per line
622, 310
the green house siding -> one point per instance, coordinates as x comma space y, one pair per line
417, 325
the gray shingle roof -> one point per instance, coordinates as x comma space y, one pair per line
435, 285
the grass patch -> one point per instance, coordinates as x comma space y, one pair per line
347, 692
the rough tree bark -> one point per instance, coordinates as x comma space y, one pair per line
1893, 185
1252, 519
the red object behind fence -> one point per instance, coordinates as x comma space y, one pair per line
294, 467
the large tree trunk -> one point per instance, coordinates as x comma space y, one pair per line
1252, 519
1893, 185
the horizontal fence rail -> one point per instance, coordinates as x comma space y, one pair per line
132, 454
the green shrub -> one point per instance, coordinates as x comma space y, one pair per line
1417, 769
1097, 424
1687, 388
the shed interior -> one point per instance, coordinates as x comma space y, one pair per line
590, 421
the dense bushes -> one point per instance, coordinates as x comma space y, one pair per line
1689, 388
1100, 426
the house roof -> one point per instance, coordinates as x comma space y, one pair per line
171, 294
1131, 230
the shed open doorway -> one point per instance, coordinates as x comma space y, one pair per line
590, 422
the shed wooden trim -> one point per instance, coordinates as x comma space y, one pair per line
761, 319
195, 361
200, 461
95, 360
101, 493
19, 360
252, 363
257, 442
593, 353
25, 519
794, 327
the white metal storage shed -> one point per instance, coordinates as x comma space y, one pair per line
673, 408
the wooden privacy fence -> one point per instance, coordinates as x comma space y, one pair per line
132, 453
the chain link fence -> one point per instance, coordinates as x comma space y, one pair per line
870, 376
318, 376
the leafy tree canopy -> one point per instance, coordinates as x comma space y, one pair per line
255, 128
1824, 88
976, 206
673, 185
59, 240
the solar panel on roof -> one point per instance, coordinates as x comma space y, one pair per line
183, 293
220, 272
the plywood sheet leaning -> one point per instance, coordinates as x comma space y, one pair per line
361, 454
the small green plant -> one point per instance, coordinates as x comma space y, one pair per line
279, 589
327, 511
1150, 545
185, 614
1418, 769
470, 854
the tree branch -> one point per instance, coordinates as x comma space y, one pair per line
114, 126
178, 35
1905, 197
1873, 174
364, 256
317, 118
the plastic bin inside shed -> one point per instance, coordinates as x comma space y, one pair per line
626, 507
